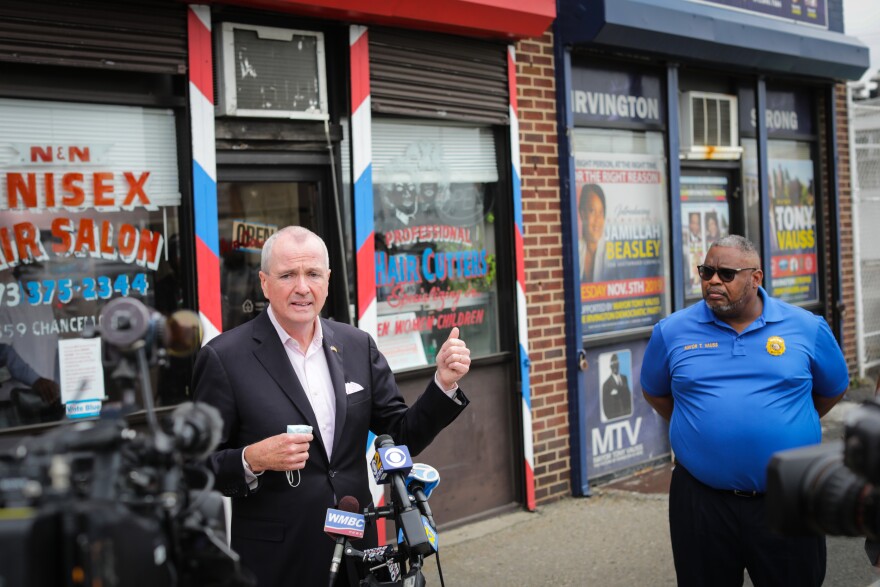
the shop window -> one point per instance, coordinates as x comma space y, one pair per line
622, 229
89, 196
435, 192
794, 272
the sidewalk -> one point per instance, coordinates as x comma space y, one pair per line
612, 538
617, 537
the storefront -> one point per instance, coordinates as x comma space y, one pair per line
94, 197
398, 147
667, 154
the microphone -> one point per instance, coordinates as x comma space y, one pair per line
391, 464
343, 523
420, 483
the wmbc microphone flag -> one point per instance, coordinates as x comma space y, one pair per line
341, 523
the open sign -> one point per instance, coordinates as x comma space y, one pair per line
250, 236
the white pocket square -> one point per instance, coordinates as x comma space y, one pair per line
352, 387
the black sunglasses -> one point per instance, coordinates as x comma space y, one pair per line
724, 273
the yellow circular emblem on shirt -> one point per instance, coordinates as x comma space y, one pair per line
775, 345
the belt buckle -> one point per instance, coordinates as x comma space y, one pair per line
741, 493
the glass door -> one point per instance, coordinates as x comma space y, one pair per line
248, 212
253, 202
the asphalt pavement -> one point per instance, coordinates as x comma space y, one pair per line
618, 536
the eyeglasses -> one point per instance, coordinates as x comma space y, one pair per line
724, 273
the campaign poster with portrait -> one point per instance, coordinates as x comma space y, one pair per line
794, 270
434, 191
623, 267
705, 218
622, 430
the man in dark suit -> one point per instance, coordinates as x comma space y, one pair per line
616, 396
289, 366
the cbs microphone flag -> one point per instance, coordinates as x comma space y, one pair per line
388, 460
342, 523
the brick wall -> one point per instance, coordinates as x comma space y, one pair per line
542, 225
846, 228
847, 272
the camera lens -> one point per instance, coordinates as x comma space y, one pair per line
838, 501
862, 452
830, 488
124, 321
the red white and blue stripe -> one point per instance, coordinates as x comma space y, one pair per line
522, 318
201, 100
362, 171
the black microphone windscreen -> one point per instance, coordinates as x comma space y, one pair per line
349, 504
383, 440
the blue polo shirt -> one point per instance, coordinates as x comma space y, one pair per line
739, 398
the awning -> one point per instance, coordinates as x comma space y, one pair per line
682, 29
505, 19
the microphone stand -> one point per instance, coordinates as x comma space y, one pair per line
411, 560
341, 548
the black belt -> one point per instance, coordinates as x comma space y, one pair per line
736, 492
742, 493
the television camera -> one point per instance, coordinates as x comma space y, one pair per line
97, 502
830, 488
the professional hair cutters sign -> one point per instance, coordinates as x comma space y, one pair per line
435, 188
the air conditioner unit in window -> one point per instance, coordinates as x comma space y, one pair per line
709, 128
271, 72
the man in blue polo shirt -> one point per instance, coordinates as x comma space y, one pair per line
740, 376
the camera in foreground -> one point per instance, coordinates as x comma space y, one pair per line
830, 488
98, 502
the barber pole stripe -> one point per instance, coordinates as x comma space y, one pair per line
201, 101
522, 318
362, 170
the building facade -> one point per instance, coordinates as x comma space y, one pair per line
463, 167
686, 121
149, 149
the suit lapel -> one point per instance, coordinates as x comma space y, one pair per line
333, 351
271, 354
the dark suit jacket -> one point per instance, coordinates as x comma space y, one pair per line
278, 529
616, 399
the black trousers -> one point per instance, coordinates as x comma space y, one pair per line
716, 535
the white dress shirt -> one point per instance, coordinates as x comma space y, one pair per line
313, 373
310, 366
